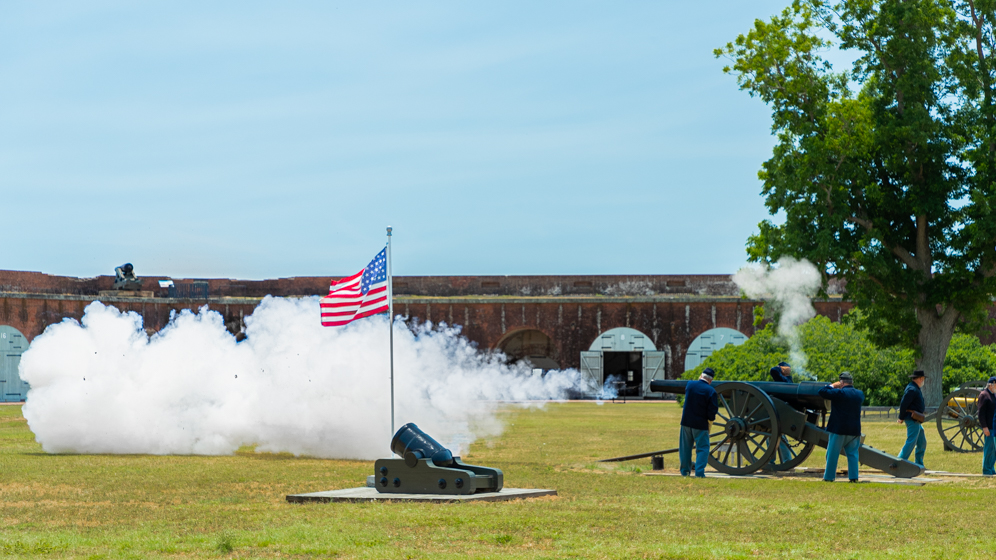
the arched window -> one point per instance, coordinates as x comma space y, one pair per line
532, 346
708, 342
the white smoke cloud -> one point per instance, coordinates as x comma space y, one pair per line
790, 288
104, 386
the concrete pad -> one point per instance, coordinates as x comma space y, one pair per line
886, 479
123, 294
817, 476
712, 474
372, 495
963, 475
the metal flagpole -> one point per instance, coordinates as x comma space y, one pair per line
390, 320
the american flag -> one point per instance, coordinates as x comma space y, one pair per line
361, 295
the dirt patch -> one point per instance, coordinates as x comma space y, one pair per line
13, 489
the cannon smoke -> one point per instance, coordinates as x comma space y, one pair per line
789, 288
105, 386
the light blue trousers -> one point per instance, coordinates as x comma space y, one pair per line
783, 453
850, 445
699, 439
914, 437
989, 454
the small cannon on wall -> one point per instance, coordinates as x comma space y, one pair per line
125, 279
426, 467
755, 417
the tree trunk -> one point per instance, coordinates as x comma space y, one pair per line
935, 336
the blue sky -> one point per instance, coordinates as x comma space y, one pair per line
262, 140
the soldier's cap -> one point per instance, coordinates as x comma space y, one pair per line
992, 380
708, 371
917, 373
783, 364
846, 376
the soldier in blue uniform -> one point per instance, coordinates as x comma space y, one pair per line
913, 401
987, 408
697, 416
782, 373
844, 425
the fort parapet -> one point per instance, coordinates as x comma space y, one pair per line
549, 320
630, 327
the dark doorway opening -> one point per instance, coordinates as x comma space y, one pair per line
623, 372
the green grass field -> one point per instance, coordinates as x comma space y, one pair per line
104, 506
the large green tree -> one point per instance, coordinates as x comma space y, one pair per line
886, 169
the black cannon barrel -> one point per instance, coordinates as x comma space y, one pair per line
413, 444
791, 401
805, 394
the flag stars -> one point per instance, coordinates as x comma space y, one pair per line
360, 295
374, 272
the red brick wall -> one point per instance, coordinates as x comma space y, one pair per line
573, 323
572, 310
31, 313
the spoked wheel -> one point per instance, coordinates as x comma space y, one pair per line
794, 453
958, 423
745, 434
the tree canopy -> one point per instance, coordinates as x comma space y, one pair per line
885, 170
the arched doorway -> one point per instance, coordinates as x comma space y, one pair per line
623, 362
531, 346
12, 345
708, 342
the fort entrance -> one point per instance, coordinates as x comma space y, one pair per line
12, 345
623, 362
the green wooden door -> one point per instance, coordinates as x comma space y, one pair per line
12, 345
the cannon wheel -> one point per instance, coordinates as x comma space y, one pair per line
745, 434
798, 452
958, 423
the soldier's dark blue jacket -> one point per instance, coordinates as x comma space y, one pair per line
701, 405
912, 400
987, 407
776, 375
845, 410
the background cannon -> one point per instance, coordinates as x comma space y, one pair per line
755, 418
426, 467
958, 418
125, 279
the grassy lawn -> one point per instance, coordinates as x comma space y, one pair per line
104, 506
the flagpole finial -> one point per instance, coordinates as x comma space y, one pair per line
389, 229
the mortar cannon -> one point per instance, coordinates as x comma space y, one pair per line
426, 467
754, 417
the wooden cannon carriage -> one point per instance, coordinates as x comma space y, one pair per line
958, 418
756, 417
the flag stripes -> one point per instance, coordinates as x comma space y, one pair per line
360, 295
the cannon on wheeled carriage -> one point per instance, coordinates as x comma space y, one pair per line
756, 417
958, 418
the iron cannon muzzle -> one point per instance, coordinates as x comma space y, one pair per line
413, 444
